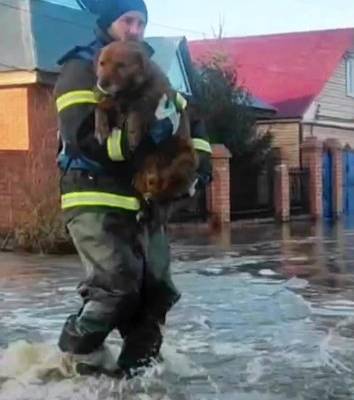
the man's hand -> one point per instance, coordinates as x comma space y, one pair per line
199, 183
193, 188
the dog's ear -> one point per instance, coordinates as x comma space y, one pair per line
141, 60
143, 63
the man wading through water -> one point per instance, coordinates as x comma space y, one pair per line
128, 283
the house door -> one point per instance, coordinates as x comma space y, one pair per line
327, 184
348, 182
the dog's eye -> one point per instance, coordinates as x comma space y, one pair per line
120, 65
102, 63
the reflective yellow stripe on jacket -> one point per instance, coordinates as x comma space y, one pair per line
78, 199
180, 101
203, 145
114, 145
75, 97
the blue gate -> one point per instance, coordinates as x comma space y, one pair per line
327, 185
348, 182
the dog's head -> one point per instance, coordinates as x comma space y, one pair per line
122, 66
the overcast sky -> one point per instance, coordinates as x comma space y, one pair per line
199, 18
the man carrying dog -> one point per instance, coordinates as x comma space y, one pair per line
127, 283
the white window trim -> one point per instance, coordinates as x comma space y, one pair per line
350, 76
184, 72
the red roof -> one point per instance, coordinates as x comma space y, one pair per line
286, 70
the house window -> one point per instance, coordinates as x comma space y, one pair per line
350, 76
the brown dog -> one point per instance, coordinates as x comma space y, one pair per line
133, 86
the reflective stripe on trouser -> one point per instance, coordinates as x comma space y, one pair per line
112, 291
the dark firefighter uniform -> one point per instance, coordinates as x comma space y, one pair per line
127, 284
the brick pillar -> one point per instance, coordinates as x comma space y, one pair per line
219, 191
312, 153
282, 193
335, 149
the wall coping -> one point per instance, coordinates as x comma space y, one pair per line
333, 144
220, 151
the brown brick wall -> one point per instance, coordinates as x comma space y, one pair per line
29, 176
282, 193
43, 138
14, 146
12, 167
335, 148
312, 153
219, 191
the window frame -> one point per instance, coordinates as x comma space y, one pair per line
184, 72
350, 75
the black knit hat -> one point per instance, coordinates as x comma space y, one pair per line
113, 9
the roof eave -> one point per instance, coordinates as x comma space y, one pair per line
18, 78
280, 120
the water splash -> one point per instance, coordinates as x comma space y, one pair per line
330, 360
254, 371
35, 371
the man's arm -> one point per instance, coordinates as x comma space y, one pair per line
204, 151
167, 118
76, 103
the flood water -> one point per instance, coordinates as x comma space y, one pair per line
267, 313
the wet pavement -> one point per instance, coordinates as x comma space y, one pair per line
267, 313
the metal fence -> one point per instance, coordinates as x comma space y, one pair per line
299, 190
